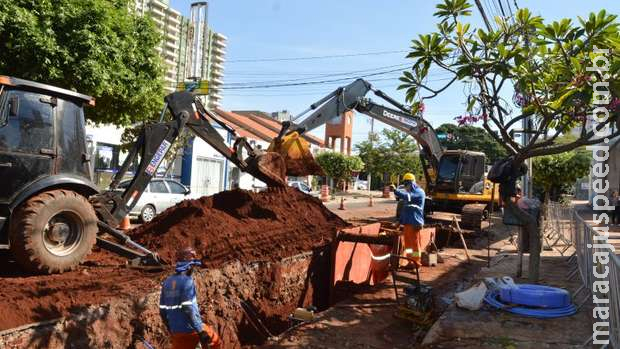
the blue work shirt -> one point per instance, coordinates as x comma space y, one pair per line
413, 205
178, 292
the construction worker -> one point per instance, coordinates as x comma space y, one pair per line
411, 216
178, 306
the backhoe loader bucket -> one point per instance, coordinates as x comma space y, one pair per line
296, 154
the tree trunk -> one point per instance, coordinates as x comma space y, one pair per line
529, 225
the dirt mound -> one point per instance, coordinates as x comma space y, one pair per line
242, 225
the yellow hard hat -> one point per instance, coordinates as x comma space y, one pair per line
409, 177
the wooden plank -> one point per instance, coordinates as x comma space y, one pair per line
458, 229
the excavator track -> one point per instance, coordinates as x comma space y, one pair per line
472, 216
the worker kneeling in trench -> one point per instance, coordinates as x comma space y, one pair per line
411, 216
178, 307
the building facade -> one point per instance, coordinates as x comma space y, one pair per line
169, 24
190, 49
339, 132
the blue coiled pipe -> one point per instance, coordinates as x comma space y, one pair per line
491, 298
535, 296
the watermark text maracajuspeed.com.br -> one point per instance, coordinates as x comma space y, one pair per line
601, 249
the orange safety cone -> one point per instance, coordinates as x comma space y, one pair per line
341, 203
125, 224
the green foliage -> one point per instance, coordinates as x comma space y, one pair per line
547, 64
391, 155
472, 138
338, 166
96, 47
555, 174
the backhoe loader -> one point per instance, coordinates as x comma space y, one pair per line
51, 214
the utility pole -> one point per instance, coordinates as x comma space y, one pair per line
370, 136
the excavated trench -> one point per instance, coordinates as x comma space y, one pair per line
263, 256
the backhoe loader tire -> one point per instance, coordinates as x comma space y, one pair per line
53, 232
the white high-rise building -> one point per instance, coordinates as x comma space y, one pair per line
168, 22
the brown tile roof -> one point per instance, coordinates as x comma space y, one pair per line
274, 125
243, 124
240, 131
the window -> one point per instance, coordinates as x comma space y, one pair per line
448, 167
304, 187
159, 187
32, 128
104, 157
176, 188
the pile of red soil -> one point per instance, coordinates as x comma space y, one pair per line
242, 225
237, 224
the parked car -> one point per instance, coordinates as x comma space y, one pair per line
301, 186
158, 196
361, 185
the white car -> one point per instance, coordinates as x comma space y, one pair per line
301, 186
361, 185
158, 196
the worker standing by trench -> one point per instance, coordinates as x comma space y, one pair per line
178, 307
411, 216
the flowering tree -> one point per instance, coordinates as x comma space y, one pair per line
562, 76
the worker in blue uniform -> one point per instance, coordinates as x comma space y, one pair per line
179, 310
411, 217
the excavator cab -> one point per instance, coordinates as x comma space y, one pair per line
461, 172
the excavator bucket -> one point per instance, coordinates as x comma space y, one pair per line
295, 151
269, 167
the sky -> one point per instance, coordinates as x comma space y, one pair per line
352, 37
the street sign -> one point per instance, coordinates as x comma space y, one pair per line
200, 87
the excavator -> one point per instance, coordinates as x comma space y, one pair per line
51, 214
454, 178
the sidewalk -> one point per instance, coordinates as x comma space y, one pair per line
491, 328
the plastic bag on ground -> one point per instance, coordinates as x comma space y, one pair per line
472, 297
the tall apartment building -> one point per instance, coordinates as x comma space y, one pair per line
168, 22
189, 49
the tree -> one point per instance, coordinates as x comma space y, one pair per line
468, 137
95, 47
338, 166
390, 155
553, 173
552, 68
